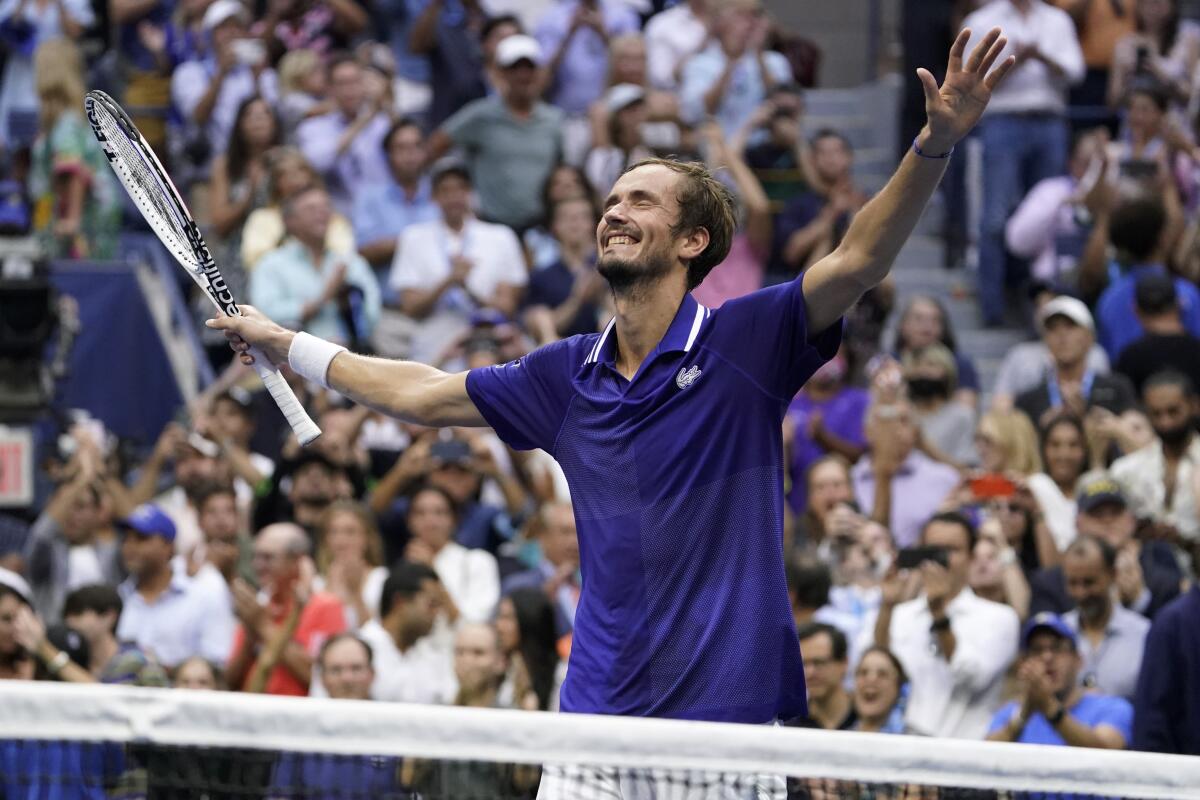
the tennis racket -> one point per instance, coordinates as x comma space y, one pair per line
156, 197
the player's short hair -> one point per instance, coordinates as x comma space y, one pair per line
837, 639
403, 582
345, 636
704, 202
98, 597
954, 518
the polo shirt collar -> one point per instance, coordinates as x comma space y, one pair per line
680, 336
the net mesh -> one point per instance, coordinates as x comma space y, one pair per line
144, 179
60, 741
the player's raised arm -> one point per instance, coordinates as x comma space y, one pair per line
408, 390
834, 284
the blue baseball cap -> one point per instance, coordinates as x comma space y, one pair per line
150, 520
1047, 621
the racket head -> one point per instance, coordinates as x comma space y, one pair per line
154, 194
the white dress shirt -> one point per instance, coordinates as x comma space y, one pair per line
472, 579
1031, 86
671, 37
954, 698
423, 674
1142, 474
191, 81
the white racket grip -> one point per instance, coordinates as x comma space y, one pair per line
302, 425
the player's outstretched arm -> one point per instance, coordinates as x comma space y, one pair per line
879, 230
408, 390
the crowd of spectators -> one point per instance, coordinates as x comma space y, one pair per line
422, 180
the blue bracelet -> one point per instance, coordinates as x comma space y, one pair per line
917, 150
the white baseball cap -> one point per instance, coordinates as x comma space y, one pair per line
1069, 307
222, 10
15, 582
623, 95
515, 48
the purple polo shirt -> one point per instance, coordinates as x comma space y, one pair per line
676, 479
843, 415
918, 488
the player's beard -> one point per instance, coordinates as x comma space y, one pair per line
629, 277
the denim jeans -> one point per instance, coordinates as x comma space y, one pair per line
1018, 151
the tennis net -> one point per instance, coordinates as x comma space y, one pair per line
62, 742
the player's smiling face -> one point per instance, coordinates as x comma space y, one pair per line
634, 237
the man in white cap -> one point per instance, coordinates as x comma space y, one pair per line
209, 91
511, 142
1070, 384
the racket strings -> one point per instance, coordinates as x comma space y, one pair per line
147, 189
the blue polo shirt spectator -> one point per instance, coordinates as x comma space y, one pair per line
575, 37
1167, 704
383, 209
163, 611
677, 485
1048, 676
1116, 309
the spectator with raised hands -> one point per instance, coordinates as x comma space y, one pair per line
65, 548
449, 268
617, 143
345, 145
575, 34
529, 640
782, 159
673, 36
1162, 47
24, 646
954, 645
208, 91
284, 624
470, 576
94, 611
321, 25
303, 89
736, 57
1064, 450
1053, 708
328, 293
628, 65
349, 561
996, 573
1166, 343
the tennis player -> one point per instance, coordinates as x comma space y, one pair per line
668, 424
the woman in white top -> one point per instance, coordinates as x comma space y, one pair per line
1065, 455
470, 577
617, 142
350, 561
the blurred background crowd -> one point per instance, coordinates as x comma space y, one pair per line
999, 550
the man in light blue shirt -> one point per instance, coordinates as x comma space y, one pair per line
344, 146
574, 34
731, 78
163, 612
328, 294
383, 210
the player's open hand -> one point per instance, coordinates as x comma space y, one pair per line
254, 329
954, 107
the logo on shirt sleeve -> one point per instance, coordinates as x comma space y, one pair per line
687, 376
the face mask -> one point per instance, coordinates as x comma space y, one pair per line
928, 388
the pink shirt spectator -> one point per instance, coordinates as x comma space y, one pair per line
740, 273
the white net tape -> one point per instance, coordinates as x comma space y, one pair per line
49, 711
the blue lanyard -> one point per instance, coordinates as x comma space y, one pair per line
1055, 393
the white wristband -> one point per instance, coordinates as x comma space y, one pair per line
310, 357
